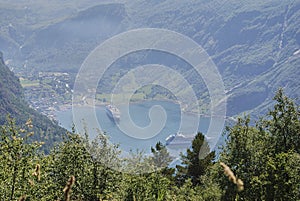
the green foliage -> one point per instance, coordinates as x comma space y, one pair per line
89, 162
71, 158
161, 160
264, 156
284, 124
196, 161
208, 191
17, 159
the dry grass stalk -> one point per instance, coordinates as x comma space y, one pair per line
67, 189
31, 183
227, 171
240, 185
22, 198
37, 172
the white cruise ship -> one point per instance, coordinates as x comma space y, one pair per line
179, 139
113, 112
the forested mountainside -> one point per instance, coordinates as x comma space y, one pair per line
12, 103
254, 44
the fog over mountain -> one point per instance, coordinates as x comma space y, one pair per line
254, 44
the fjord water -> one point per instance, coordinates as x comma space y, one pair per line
139, 113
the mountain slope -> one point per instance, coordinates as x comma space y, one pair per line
254, 44
64, 45
12, 103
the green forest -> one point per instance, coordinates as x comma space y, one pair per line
260, 161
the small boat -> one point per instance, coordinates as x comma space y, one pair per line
113, 112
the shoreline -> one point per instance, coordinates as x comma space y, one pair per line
65, 107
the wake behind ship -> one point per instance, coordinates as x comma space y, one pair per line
113, 113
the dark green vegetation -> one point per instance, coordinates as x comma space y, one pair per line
12, 103
264, 161
254, 43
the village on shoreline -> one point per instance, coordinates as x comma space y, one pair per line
51, 92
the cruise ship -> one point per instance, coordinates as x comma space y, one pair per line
179, 139
113, 112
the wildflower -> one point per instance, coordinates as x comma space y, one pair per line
30, 134
29, 123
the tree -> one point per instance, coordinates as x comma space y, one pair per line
243, 153
161, 160
264, 156
284, 124
93, 164
194, 167
161, 157
17, 159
